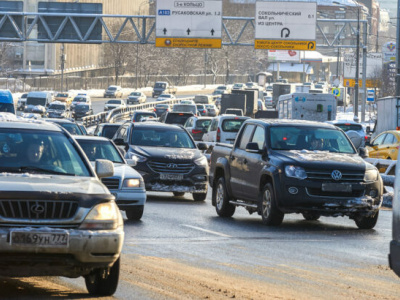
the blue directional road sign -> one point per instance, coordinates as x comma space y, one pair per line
371, 95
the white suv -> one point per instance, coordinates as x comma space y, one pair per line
223, 129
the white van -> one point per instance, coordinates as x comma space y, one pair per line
36, 102
223, 129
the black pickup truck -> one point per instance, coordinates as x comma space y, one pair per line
287, 166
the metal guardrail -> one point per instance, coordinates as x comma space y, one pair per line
122, 114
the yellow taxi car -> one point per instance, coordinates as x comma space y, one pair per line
64, 97
385, 145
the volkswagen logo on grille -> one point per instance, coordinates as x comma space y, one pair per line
37, 209
172, 166
336, 175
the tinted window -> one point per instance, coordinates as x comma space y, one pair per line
100, 150
231, 125
347, 127
139, 116
246, 135
72, 128
114, 101
177, 118
109, 131
294, 138
203, 123
160, 137
135, 94
57, 106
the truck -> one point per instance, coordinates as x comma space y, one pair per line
306, 106
278, 167
388, 112
249, 107
163, 87
279, 89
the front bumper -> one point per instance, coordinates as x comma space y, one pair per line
126, 199
364, 199
195, 181
86, 250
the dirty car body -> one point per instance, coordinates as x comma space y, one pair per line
56, 217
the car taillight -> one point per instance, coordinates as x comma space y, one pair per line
218, 135
204, 111
155, 109
366, 137
194, 131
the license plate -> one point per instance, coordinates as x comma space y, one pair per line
39, 239
336, 187
171, 176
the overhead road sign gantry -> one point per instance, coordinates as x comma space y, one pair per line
285, 25
189, 24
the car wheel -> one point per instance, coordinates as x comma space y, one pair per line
136, 213
179, 194
199, 196
220, 198
310, 216
270, 214
366, 222
103, 282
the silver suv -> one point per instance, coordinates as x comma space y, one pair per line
56, 217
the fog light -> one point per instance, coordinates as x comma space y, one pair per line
373, 193
293, 190
200, 178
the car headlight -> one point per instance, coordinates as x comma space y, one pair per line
371, 175
201, 161
295, 172
137, 157
104, 216
132, 183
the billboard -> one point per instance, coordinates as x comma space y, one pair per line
389, 52
283, 55
374, 65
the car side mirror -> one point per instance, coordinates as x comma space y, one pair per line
253, 148
131, 162
119, 142
104, 168
363, 152
202, 146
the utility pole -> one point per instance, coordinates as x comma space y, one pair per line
205, 67
62, 66
356, 85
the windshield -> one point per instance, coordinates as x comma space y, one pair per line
109, 131
134, 94
112, 88
7, 107
36, 101
114, 102
100, 150
162, 106
82, 108
184, 108
232, 125
309, 138
348, 127
57, 106
165, 96
62, 95
80, 99
160, 85
44, 152
161, 138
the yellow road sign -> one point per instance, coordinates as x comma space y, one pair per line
285, 45
188, 43
336, 92
348, 82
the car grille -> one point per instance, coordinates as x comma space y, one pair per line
111, 183
168, 167
326, 175
39, 210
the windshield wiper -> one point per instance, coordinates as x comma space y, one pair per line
41, 170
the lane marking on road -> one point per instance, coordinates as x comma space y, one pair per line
208, 231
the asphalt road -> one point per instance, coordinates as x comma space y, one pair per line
181, 249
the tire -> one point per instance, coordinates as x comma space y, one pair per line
136, 213
366, 222
199, 196
220, 198
311, 216
99, 283
179, 194
270, 214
